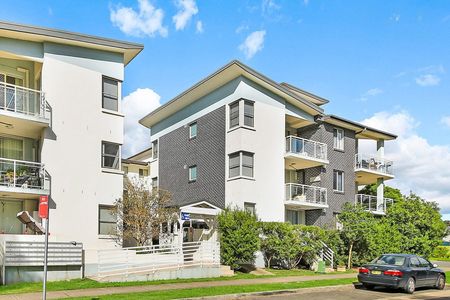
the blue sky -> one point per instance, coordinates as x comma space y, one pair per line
382, 63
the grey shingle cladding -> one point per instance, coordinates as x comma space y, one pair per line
206, 151
339, 160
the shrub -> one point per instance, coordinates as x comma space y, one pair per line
441, 252
239, 237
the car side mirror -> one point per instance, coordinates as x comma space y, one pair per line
435, 265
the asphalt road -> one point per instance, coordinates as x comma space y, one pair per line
345, 293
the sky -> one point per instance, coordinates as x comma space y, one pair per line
385, 64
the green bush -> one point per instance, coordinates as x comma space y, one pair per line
239, 237
289, 244
441, 252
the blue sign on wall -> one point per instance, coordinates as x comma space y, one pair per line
185, 216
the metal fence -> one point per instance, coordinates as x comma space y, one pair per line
374, 163
22, 100
308, 148
22, 174
306, 193
146, 259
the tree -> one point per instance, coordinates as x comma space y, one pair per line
140, 213
389, 192
419, 223
356, 224
239, 237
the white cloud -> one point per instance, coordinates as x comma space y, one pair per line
418, 165
428, 80
241, 28
135, 106
446, 121
253, 43
147, 21
199, 27
267, 6
395, 17
186, 9
370, 93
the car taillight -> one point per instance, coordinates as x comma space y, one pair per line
363, 271
395, 273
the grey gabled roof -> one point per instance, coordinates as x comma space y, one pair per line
71, 36
247, 70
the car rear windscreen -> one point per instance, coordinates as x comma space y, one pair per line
394, 260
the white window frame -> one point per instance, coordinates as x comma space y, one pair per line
106, 207
252, 115
338, 143
191, 135
250, 207
241, 165
155, 149
119, 164
238, 114
337, 172
110, 96
154, 182
191, 178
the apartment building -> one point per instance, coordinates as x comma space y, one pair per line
237, 138
61, 131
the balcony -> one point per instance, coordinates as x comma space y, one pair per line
369, 168
369, 203
23, 107
305, 196
302, 153
22, 178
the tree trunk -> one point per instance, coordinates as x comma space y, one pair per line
350, 248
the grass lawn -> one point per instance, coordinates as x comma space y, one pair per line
223, 290
88, 283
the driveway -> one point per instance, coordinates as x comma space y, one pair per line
347, 292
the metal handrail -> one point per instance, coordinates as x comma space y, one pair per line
135, 260
306, 193
374, 163
22, 100
22, 174
306, 147
370, 203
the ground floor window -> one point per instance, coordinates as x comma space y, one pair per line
106, 220
295, 216
9, 224
250, 207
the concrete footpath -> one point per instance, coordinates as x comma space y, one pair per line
169, 286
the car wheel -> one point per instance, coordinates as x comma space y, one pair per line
440, 283
410, 286
368, 286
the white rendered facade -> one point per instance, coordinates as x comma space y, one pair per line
68, 69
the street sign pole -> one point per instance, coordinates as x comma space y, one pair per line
44, 284
43, 214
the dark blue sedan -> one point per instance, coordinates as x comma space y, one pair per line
403, 271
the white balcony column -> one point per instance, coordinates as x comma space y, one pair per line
380, 149
380, 193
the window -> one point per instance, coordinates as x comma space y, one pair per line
11, 148
249, 114
338, 181
250, 207
154, 182
192, 173
106, 220
234, 114
193, 130
241, 164
110, 155
125, 169
247, 164
338, 139
110, 94
423, 262
143, 173
293, 216
155, 149
414, 262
